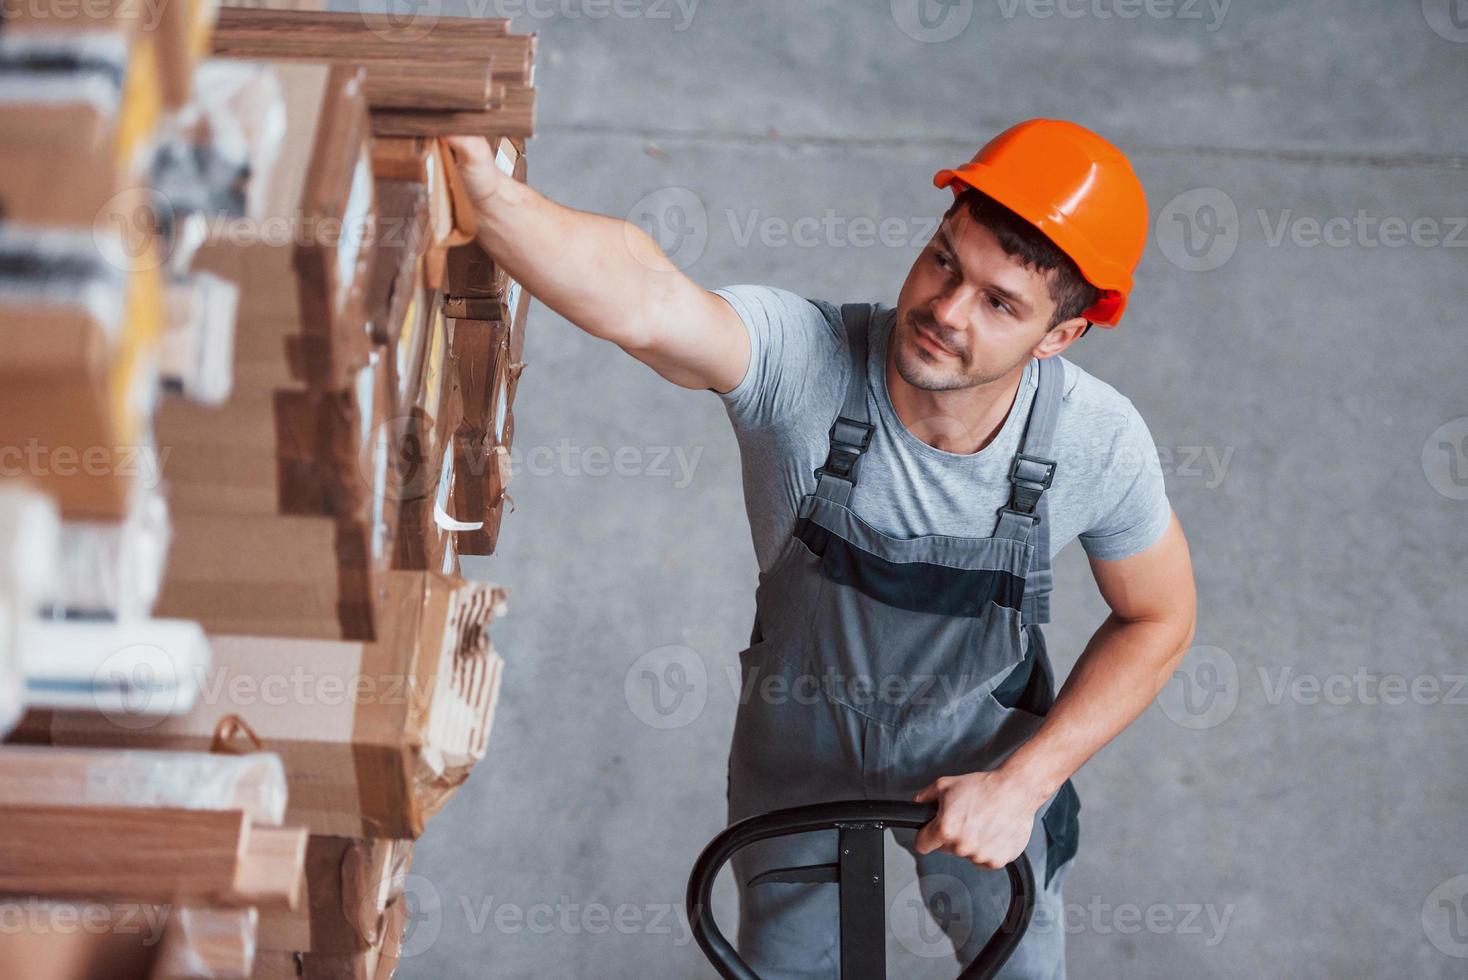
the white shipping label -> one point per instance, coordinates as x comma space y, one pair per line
354, 229
512, 300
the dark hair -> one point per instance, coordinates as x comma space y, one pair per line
1072, 294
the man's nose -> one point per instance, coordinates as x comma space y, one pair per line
951, 308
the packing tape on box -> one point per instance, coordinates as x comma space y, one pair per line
254, 782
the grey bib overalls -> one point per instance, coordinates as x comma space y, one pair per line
877, 664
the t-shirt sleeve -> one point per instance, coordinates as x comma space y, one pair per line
1134, 506
789, 341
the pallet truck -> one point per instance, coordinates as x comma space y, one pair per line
858, 873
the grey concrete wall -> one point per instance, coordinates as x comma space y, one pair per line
1285, 808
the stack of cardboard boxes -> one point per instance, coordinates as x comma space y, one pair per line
263, 280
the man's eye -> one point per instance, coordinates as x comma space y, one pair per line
1000, 305
941, 259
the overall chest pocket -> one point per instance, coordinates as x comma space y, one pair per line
912, 627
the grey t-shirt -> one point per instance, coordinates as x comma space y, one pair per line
1108, 488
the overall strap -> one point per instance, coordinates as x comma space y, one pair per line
851, 433
1030, 475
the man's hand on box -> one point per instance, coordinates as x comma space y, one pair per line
475, 159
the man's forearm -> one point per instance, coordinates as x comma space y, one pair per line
603, 274
1120, 672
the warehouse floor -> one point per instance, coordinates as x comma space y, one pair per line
1304, 822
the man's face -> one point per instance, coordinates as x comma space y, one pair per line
969, 313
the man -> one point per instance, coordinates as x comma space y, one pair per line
909, 474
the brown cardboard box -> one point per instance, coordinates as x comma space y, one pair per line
482, 355
71, 117
276, 965
171, 44
86, 452
487, 376
57, 953
471, 273
395, 934
120, 940
78, 186
349, 885
374, 736
303, 265
300, 487
81, 435
481, 490
297, 451
485, 291
335, 264
426, 455
375, 963
285, 576
332, 966
221, 458
414, 328
521, 309
403, 236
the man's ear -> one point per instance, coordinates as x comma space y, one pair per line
1061, 336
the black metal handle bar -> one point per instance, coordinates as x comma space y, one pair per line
845, 816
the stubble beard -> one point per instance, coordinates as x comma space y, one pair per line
915, 367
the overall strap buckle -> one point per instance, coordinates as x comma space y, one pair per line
1029, 477
849, 439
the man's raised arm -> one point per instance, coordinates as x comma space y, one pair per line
605, 275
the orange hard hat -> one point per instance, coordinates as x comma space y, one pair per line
1076, 188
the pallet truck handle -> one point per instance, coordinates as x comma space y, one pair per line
845, 816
